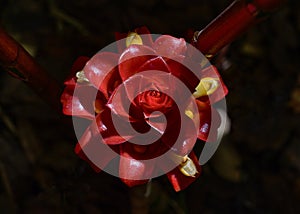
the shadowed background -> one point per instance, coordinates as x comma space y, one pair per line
255, 170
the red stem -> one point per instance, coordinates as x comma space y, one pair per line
236, 19
18, 62
231, 23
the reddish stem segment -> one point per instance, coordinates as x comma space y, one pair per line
269, 5
236, 19
18, 62
231, 23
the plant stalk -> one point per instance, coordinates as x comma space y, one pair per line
21, 65
231, 23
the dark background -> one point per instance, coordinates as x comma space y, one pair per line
255, 170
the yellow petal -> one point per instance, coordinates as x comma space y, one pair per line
189, 113
133, 39
207, 86
81, 78
185, 164
187, 167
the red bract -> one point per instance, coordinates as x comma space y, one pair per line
143, 89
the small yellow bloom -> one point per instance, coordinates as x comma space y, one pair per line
207, 86
81, 78
189, 113
187, 167
133, 39
185, 164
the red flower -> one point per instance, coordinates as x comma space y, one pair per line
144, 104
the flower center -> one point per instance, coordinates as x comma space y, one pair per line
155, 93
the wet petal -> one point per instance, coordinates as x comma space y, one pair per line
133, 58
182, 142
158, 122
91, 149
132, 171
178, 68
81, 103
107, 128
101, 71
120, 104
157, 63
170, 47
210, 121
139, 151
116, 130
